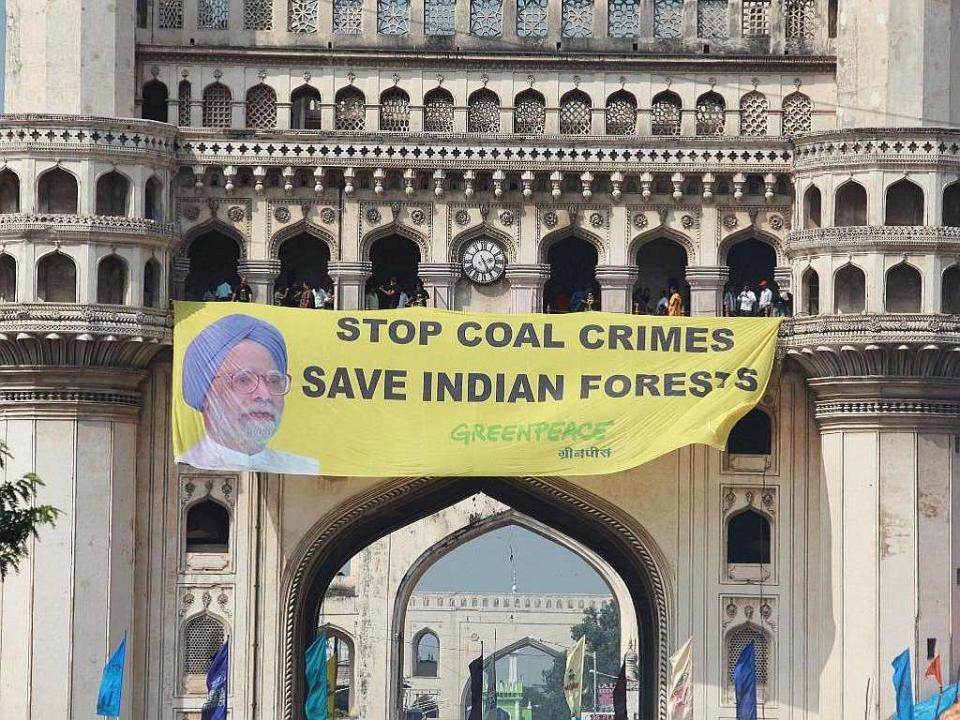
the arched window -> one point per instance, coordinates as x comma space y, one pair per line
711, 114
665, 113
737, 640
575, 113
851, 205
668, 19
57, 192
748, 538
903, 289
797, 114
752, 435
576, 18
111, 281
8, 278
396, 262
904, 204
573, 276
811, 208
152, 209
305, 104
950, 291
427, 655
213, 261
341, 646
750, 261
351, 109
9, 192
754, 110
184, 97
951, 205
438, 111
261, 107
154, 105
208, 528
202, 638
529, 113
811, 291
151, 284
217, 106
621, 115
662, 264
394, 110
303, 258
57, 278
483, 112
849, 289
112, 191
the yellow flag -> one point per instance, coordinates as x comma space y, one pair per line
434, 392
573, 676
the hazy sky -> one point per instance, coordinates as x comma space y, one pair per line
484, 565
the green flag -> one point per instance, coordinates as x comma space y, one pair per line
316, 707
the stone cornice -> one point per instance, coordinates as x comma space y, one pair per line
52, 392
85, 323
903, 148
887, 402
491, 57
17, 224
894, 238
459, 151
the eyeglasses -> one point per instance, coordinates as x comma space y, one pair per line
247, 381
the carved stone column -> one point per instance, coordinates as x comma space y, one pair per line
440, 280
887, 403
261, 274
616, 287
349, 280
526, 287
178, 277
706, 289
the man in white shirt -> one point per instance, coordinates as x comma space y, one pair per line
746, 301
235, 374
766, 299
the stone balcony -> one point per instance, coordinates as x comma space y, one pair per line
899, 148
99, 226
871, 238
110, 323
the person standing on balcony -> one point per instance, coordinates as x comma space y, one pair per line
244, 292
675, 303
746, 301
766, 299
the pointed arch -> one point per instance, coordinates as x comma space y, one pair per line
112, 277
394, 228
57, 278
529, 113
754, 114
810, 289
575, 113
301, 227
217, 106
665, 113
152, 279
351, 108
621, 113
305, 108
850, 205
261, 107
438, 111
9, 191
751, 232
904, 204
154, 95
951, 205
812, 208
202, 634
153, 199
58, 191
551, 238
903, 289
849, 289
711, 114
797, 114
662, 231
394, 110
950, 290
483, 111
113, 194
748, 537
565, 507
8, 278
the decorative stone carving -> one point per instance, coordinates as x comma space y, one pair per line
506, 218
776, 222
640, 221
418, 216
596, 219
190, 212
550, 219
328, 215
235, 213
730, 221
688, 221
373, 216
281, 214
461, 217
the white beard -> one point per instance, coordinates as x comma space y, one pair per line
251, 432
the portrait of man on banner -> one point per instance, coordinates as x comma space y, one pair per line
235, 375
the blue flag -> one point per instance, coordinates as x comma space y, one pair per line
315, 708
933, 707
215, 706
111, 684
745, 682
903, 685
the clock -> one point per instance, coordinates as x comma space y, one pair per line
484, 261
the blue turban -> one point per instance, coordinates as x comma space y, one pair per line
205, 354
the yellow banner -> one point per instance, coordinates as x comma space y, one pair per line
434, 392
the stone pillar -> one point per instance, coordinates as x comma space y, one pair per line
69, 605
261, 274
526, 287
440, 280
178, 277
616, 287
349, 280
706, 289
783, 276
888, 501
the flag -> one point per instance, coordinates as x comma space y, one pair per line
332, 680
937, 706
745, 682
573, 676
476, 689
318, 681
492, 690
620, 694
934, 671
215, 706
680, 701
903, 685
111, 683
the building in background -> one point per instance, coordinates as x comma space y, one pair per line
155, 149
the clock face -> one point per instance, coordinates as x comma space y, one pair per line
484, 261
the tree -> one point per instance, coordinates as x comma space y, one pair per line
20, 516
602, 630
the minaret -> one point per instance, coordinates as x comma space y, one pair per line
70, 57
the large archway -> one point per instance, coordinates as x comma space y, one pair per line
573, 276
567, 508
